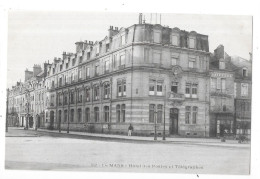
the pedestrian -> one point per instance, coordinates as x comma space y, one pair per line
130, 129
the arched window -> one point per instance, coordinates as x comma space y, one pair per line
87, 91
79, 115
72, 97
106, 113
96, 92
87, 115
96, 114
71, 115
123, 112
118, 113
59, 116
159, 113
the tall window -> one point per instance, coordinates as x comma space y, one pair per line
87, 72
60, 116
174, 40
221, 65
72, 98
174, 61
121, 88
80, 74
187, 114
157, 57
194, 90
96, 114
87, 91
192, 62
192, 43
174, 87
244, 89
213, 83
106, 113
122, 60
65, 98
71, 115
223, 84
151, 113
194, 114
118, 112
159, 89
60, 81
60, 99
106, 91
244, 72
65, 115
187, 90
123, 39
87, 114
79, 96
152, 87
157, 37
123, 112
159, 113
96, 93
79, 115
96, 69
107, 64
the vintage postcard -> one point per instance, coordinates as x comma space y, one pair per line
129, 92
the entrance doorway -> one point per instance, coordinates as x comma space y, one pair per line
174, 120
51, 119
38, 122
30, 122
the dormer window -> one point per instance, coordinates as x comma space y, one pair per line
157, 37
244, 72
192, 43
221, 65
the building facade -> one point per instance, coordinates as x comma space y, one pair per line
147, 75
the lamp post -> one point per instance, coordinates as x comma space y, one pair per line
164, 112
155, 123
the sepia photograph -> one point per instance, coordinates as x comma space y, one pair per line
129, 92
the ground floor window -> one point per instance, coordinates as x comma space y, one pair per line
106, 113
96, 114
87, 114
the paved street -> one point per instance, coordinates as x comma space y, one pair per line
52, 151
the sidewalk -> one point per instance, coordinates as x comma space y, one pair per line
191, 141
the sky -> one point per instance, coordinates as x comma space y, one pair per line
38, 36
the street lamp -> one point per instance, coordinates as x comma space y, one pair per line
155, 123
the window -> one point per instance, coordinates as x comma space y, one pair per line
67, 65
221, 65
87, 94
157, 37
213, 83
65, 115
87, 114
151, 113
106, 91
187, 114
194, 114
118, 113
107, 63
244, 89
107, 47
192, 43
152, 87
223, 84
106, 113
174, 61
192, 63
123, 112
65, 79
52, 84
60, 81
122, 60
65, 99
72, 97
87, 72
244, 72
121, 88
115, 61
174, 87
79, 96
98, 49
79, 115
96, 69
174, 40
194, 90
60, 99
80, 74
60, 67
96, 114
122, 39
159, 113
159, 89
52, 100
218, 83
96, 93
235, 90
71, 115
187, 90
157, 58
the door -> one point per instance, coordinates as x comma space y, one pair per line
30, 121
51, 119
174, 120
39, 122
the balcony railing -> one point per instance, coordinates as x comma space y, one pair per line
176, 96
221, 109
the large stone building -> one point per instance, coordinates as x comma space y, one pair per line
146, 75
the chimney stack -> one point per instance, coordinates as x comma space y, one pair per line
140, 18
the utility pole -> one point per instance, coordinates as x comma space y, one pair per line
164, 112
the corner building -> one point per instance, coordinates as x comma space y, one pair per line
141, 75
